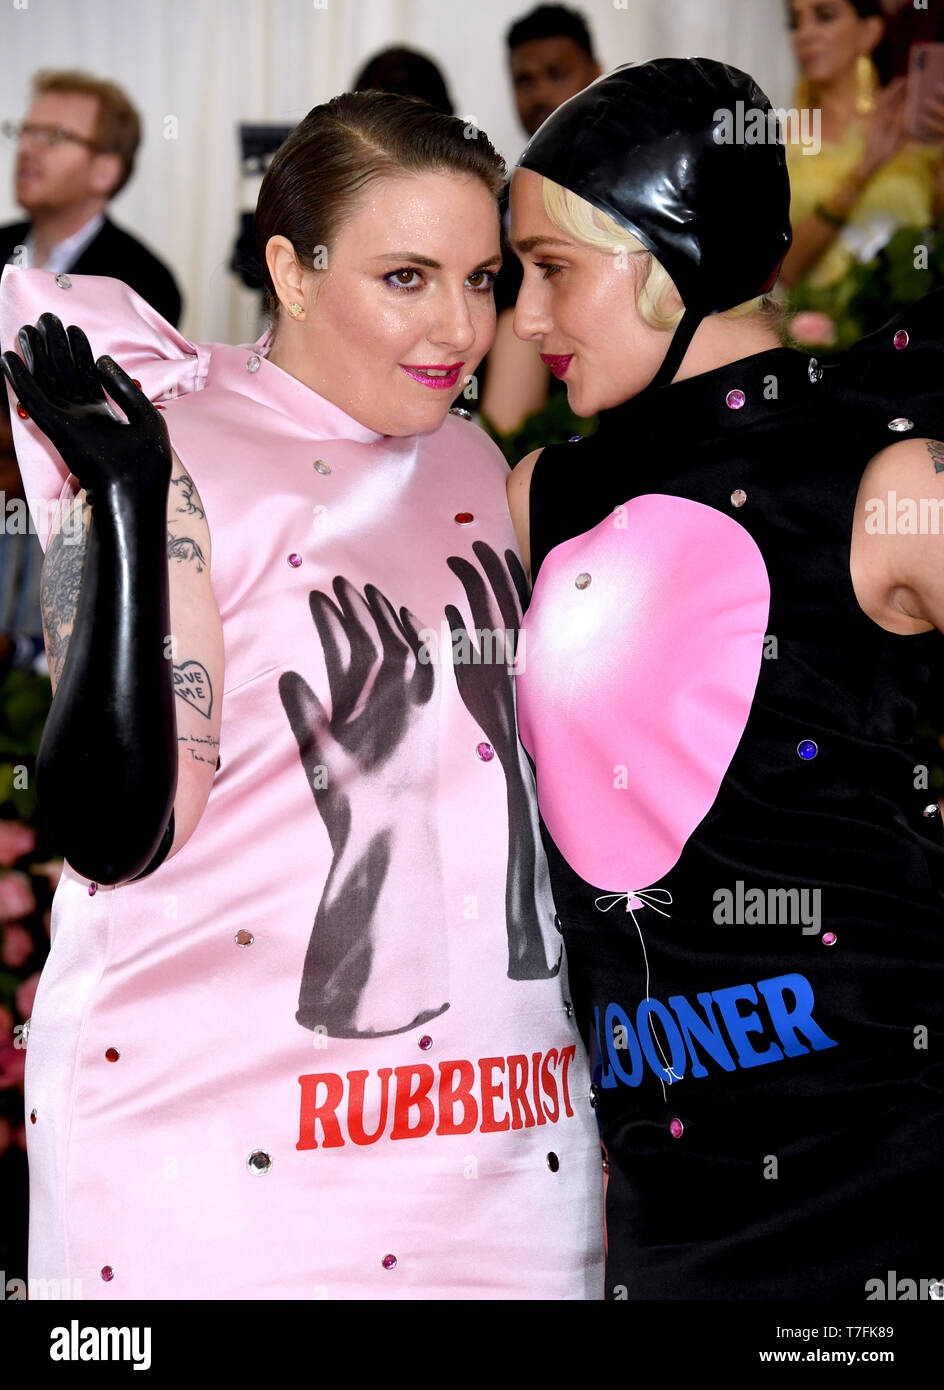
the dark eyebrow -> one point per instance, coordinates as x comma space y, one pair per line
521, 248
435, 265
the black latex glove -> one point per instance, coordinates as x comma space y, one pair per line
106, 771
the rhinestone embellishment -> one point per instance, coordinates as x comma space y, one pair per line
815, 370
582, 580
901, 339
901, 425
735, 400
253, 363
738, 497
63, 281
321, 466
259, 1161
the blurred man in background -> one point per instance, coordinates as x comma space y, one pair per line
550, 58
75, 151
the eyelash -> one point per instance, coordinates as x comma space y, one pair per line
409, 289
551, 269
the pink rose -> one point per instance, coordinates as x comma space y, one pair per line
12, 1065
817, 330
16, 896
25, 994
16, 945
51, 870
15, 841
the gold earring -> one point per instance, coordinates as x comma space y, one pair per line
295, 310
866, 85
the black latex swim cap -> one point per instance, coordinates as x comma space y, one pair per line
671, 150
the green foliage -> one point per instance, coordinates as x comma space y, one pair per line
553, 424
870, 294
25, 698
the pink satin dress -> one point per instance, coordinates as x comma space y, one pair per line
326, 1050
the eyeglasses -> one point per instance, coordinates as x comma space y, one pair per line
49, 135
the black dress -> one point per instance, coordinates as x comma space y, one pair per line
765, 1024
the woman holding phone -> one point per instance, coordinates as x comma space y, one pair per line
859, 173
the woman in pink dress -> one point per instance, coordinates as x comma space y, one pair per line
305, 913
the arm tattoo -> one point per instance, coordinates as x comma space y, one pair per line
201, 750
937, 455
192, 684
60, 582
189, 496
185, 548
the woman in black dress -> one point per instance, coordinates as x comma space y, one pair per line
738, 592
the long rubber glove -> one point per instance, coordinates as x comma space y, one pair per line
106, 771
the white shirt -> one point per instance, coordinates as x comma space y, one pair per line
65, 253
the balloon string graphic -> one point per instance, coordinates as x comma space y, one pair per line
643, 897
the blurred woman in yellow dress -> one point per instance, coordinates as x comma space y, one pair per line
860, 177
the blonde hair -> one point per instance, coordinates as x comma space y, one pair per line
590, 226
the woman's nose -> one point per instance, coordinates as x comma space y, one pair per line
531, 318
454, 326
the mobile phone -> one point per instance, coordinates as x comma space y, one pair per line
925, 77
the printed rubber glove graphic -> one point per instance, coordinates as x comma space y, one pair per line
488, 692
376, 961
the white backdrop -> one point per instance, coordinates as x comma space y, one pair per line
210, 64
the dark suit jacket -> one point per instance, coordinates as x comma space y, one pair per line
118, 254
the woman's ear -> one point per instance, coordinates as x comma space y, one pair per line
287, 275
874, 32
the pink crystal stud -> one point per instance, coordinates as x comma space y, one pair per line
901, 339
294, 560
485, 751
829, 938
389, 1261
675, 1128
734, 400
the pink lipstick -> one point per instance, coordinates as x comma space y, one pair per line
558, 365
445, 377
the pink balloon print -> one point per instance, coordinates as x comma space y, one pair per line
643, 644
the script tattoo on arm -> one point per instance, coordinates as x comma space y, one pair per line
188, 495
937, 455
201, 750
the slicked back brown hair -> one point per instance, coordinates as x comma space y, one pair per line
316, 177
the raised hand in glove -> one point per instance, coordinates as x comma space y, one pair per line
106, 771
